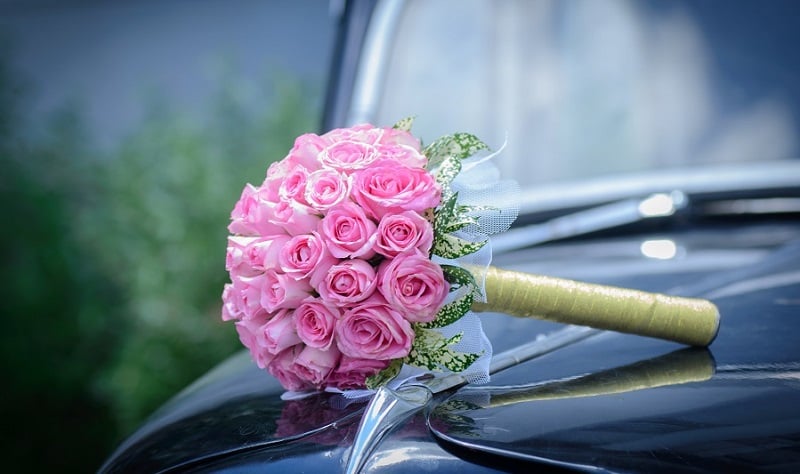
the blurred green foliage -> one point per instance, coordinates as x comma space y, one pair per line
113, 261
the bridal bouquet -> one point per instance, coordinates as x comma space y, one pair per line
343, 263
363, 253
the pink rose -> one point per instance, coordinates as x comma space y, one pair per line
348, 155
374, 330
402, 233
279, 291
251, 255
245, 295
414, 284
326, 188
249, 331
403, 154
235, 259
313, 365
293, 218
276, 173
348, 232
278, 332
348, 282
293, 186
389, 187
352, 373
250, 215
305, 256
283, 368
306, 150
231, 303
315, 323
364, 133
394, 136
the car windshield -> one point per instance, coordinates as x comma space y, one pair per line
592, 88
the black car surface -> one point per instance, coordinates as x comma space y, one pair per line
656, 146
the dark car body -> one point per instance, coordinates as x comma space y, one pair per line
605, 402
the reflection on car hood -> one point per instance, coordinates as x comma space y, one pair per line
624, 403
614, 402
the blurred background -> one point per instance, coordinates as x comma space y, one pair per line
127, 131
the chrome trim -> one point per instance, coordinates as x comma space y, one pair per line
372, 66
699, 179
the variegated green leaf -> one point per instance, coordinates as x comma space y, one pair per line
457, 361
458, 277
431, 351
458, 223
385, 375
404, 124
450, 246
444, 214
446, 172
451, 312
458, 145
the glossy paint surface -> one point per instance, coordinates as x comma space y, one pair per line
614, 402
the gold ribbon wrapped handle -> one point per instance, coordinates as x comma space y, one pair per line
685, 320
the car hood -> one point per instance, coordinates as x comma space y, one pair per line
610, 402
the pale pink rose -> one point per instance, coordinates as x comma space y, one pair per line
306, 150
391, 188
262, 253
404, 155
313, 365
249, 256
305, 256
293, 186
364, 133
293, 218
352, 373
414, 284
348, 232
279, 291
374, 330
315, 322
283, 368
248, 331
393, 136
326, 188
348, 282
234, 253
250, 215
348, 155
403, 233
245, 294
232, 306
270, 188
278, 332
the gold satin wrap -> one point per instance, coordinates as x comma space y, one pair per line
685, 320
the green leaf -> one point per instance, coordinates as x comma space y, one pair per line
431, 351
458, 277
458, 223
445, 213
451, 312
446, 172
451, 247
404, 124
458, 361
458, 145
385, 375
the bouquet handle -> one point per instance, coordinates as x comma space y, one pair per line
690, 321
